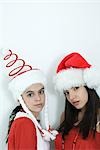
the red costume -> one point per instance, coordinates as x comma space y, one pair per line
74, 141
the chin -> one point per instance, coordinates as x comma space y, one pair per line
78, 107
39, 110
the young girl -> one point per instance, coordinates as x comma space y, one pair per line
28, 87
80, 83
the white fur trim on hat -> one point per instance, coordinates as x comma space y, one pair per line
69, 78
20, 83
92, 78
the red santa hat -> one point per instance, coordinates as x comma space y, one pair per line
24, 76
75, 71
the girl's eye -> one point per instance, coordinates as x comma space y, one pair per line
75, 88
41, 91
66, 92
30, 95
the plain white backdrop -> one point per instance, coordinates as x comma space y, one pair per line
43, 32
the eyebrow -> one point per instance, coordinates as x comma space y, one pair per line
33, 91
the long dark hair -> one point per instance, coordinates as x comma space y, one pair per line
89, 120
11, 118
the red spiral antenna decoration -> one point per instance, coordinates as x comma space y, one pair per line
20, 69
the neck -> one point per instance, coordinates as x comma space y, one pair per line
80, 116
35, 115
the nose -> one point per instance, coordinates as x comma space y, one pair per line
72, 95
37, 97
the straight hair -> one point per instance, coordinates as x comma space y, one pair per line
89, 120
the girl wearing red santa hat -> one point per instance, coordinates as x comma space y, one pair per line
28, 87
80, 83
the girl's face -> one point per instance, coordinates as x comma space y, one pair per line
34, 98
77, 96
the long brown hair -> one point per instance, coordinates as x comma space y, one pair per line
89, 121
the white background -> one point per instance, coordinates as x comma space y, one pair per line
42, 32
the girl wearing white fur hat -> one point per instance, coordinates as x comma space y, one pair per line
80, 83
28, 87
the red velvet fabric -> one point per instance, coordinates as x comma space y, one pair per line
74, 141
22, 135
74, 60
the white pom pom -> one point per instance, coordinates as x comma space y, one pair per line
49, 135
54, 132
46, 135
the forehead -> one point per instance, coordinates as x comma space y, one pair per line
77, 87
35, 87
72, 88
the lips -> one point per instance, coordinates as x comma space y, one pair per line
76, 103
38, 105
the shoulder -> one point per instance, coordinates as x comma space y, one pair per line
23, 123
23, 134
23, 120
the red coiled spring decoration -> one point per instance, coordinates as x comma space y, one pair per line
18, 70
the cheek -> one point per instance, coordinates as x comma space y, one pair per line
28, 101
85, 96
43, 99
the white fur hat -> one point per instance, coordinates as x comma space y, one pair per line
73, 71
23, 76
20, 83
